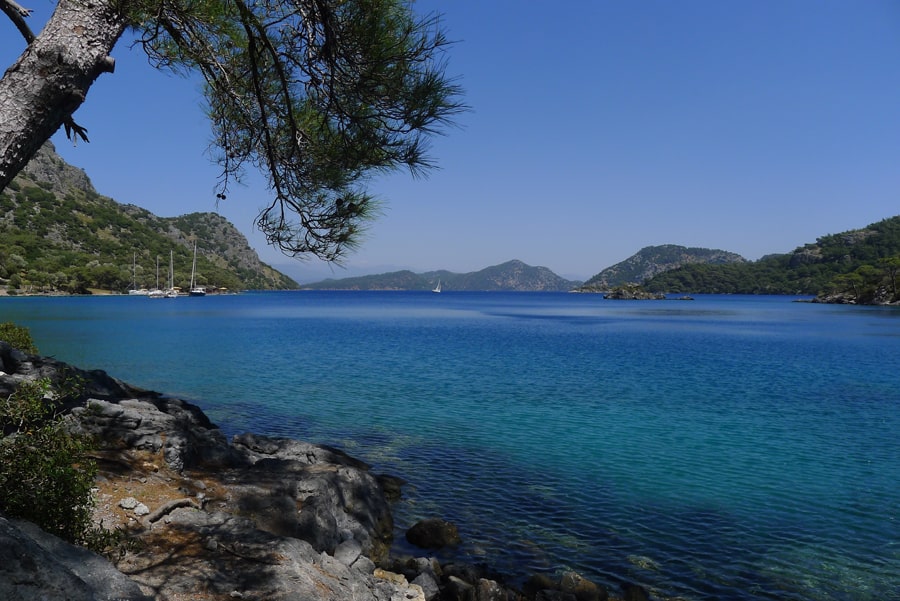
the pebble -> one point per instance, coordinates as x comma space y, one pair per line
128, 503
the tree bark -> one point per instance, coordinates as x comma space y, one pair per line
50, 80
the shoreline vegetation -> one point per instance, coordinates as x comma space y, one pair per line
200, 517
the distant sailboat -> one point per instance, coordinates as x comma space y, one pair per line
437, 288
195, 290
135, 291
156, 292
171, 292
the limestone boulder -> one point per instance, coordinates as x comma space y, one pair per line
230, 557
37, 565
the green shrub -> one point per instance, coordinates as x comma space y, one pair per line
46, 475
18, 337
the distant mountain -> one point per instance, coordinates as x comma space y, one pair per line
396, 280
58, 234
653, 260
303, 271
511, 276
859, 266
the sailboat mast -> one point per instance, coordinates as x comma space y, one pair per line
194, 265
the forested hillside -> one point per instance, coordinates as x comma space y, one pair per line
652, 260
58, 234
854, 266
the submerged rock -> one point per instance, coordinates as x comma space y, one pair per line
571, 586
433, 533
634, 592
583, 589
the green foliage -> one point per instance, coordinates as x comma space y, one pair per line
861, 263
17, 337
321, 94
867, 284
46, 475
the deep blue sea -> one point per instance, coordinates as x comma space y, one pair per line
722, 448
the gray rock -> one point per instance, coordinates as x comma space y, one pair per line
128, 503
429, 584
37, 565
582, 588
364, 564
259, 448
348, 552
457, 589
322, 504
291, 488
318, 494
180, 430
464, 571
252, 563
489, 590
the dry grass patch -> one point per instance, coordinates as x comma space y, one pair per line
144, 476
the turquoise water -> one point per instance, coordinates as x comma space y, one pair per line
724, 448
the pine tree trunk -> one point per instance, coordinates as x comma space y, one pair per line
51, 79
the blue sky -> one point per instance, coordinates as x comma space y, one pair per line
597, 128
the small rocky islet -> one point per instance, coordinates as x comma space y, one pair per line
254, 517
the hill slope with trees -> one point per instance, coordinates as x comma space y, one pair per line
859, 266
57, 234
653, 260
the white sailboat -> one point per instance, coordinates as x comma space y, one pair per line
195, 290
135, 291
156, 292
171, 292
437, 288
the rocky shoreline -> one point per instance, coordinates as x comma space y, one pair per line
254, 517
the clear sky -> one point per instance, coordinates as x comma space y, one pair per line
597, 128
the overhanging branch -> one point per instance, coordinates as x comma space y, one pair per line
17, 13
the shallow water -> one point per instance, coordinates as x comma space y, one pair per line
722, 448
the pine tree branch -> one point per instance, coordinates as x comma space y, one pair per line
17, 13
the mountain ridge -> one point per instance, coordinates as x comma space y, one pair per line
513, 275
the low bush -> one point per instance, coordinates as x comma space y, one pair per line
18, 337
46, 474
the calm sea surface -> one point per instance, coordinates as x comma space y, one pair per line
724, 448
